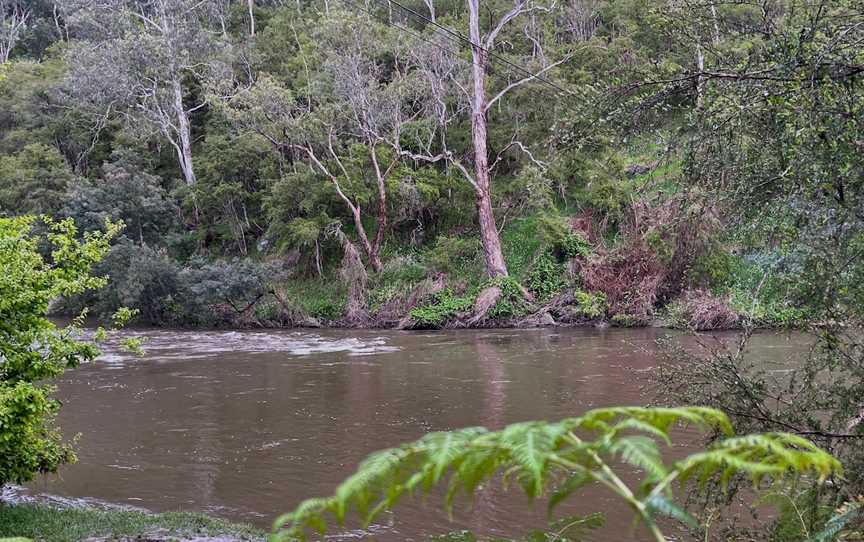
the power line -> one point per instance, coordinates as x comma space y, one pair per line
405, 29
419, 36
462, 37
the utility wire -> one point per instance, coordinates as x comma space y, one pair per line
419, 36
465, 39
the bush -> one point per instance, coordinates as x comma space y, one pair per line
165, 292
32, 349
455, 256
700, 310
556, 233
520, 244
512, 301
324, 299
546, 277
441, 307
591, 305
123, 193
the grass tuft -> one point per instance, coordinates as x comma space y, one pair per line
44, 523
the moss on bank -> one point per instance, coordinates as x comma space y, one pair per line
44, 523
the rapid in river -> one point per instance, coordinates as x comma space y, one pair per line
245, 425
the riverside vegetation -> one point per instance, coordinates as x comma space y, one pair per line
445, 165
274, 169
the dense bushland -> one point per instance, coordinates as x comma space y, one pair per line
253, 148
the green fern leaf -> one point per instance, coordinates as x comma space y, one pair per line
571, 484
531, 445
835, 526
640, 451
658, 505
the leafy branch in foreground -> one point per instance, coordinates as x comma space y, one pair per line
41, 261
557, 459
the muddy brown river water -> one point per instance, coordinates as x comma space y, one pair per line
244, 425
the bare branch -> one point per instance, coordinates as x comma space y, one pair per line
524, 80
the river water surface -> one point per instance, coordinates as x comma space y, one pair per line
245, 425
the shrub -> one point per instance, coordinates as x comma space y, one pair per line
512, 301
324, 299
546, 277
166, 292
591, 305
32, 349
556, 233
123, 193
700, 310
520, 244
442, 307
455, 255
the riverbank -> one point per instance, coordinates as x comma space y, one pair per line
40, 521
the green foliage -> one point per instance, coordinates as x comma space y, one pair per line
323, 299
625, 320
124, 192
33, 181
520, 244
32, 349
512, 301
555, 232
546, 277
456, 256
397, 280
591, 305
715, 269
49, 524
166, 292
560, 458
441, 307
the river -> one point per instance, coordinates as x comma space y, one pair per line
244, 425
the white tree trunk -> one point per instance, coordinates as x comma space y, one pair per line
251, 5
184, 133
495, 265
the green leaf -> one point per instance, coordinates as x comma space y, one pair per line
641, 451
575, 482
660, 505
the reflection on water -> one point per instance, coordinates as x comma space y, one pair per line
244, 425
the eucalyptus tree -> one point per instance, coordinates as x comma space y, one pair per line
142, 60
342, 131
14, 16
460, 89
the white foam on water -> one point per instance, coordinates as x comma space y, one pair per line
166, 346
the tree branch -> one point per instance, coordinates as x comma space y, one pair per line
515, 84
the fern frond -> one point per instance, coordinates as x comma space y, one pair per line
758, 456
660, 419
658, 505
540, 453
836, 525
573, 483
530, 446
641, 452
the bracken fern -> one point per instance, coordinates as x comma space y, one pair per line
559, 458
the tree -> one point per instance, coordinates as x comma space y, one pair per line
14, 15
564, 457
341, 132
123, 193
444, 70
33, 180
32, 349
141, 60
